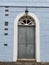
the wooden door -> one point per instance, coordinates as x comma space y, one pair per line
26, 42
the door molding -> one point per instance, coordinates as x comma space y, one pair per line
37, 36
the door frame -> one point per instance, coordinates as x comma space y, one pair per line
37, 36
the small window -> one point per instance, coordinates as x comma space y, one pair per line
5, 33
6, 29
6, 15
24, 21
28, 21
6, 6
5, 44
6, 10
6, 23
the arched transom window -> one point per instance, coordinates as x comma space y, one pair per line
26, 20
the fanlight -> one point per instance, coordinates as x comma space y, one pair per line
26, 20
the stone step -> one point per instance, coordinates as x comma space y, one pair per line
24, 63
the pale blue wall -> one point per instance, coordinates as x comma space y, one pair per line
24, 2
6, 52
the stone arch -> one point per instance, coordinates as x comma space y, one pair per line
37, 35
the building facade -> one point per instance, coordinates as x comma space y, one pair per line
24, 30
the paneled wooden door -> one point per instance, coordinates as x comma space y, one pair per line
26, 42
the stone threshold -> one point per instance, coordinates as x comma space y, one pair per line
26, 60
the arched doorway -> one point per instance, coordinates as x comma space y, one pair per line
26, 37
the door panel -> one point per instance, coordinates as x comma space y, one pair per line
21, 42
30, 52
26, 42
30, 42
30, 35
21, 35
22, 51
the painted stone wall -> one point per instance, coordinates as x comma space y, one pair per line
24, 2
6, 52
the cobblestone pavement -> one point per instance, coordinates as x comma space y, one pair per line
24, 63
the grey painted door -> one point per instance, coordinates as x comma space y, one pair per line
26, 42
